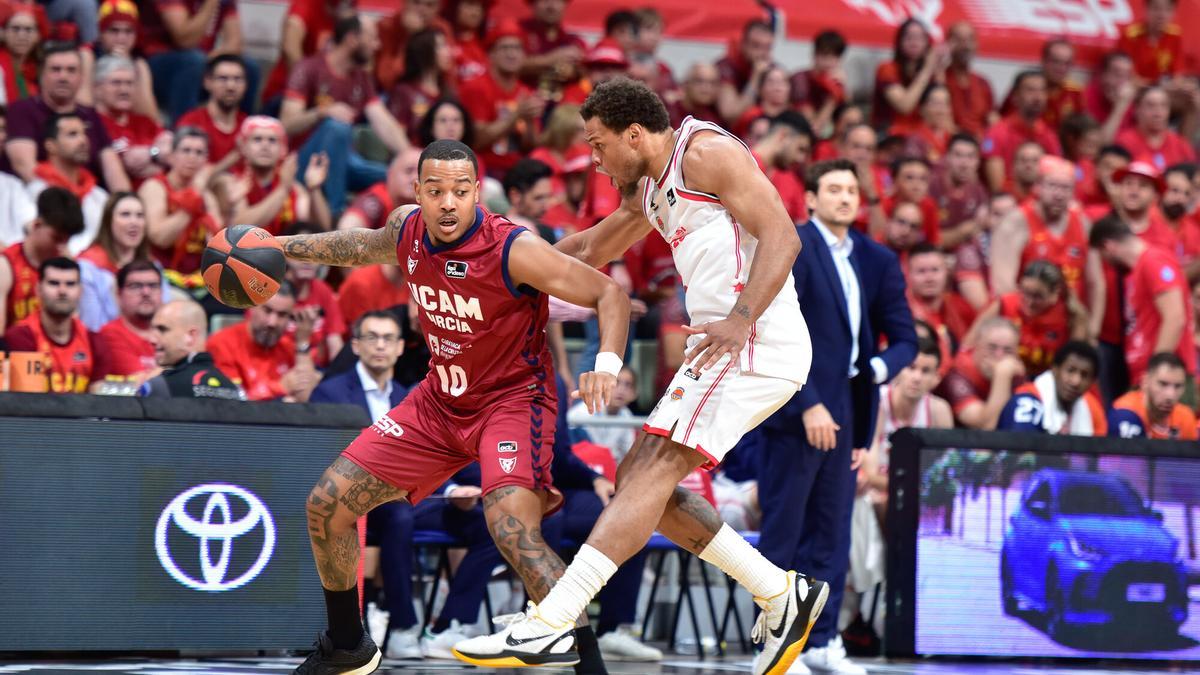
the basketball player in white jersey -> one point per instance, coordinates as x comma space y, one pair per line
734, 245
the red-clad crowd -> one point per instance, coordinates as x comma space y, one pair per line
1068, 210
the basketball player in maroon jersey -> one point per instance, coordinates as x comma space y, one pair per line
481, 284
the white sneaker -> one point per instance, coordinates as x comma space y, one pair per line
785, 621
526, 640
377, 622
404, 644
622, 645
438, 645
831, 660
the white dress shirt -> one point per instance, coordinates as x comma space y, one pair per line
840, 251
379, 401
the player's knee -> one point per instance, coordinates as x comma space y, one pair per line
323, 509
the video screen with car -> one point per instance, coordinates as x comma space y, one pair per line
1058, 555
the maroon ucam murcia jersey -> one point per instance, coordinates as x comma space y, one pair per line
487, 337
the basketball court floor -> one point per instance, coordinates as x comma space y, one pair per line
672, 666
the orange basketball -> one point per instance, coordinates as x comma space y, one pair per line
243, 266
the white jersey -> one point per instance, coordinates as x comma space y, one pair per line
713, 255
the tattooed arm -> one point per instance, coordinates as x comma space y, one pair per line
349, 248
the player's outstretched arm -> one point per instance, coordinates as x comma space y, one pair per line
534, 262
608, 239
349, 248
720, 165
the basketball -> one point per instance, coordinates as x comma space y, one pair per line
243, 266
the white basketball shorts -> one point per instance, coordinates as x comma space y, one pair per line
710, 411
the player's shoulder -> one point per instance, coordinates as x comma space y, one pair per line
1131, 401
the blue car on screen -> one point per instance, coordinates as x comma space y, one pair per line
1083, 551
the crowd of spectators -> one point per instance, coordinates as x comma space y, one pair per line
1050, 238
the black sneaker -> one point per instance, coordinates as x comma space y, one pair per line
326, 660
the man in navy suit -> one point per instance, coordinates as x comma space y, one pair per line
851, 291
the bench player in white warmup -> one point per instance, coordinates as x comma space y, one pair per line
749, 352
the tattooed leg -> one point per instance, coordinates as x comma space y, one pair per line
344, 493
514, 517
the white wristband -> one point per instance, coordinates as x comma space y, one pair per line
608, 362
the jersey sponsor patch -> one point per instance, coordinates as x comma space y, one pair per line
506, 446
456, 269
507, 464
671, 196
677, 393
691, 374
386, 426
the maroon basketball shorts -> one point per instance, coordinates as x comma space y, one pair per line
421, 443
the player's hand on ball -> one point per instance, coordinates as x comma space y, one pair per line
595, 390
726, 336
820, 427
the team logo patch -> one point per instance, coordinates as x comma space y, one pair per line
691, 374
677, 393
508, 464
79, 357
386, 426
506, 446
412, 265
456, 269
671, 196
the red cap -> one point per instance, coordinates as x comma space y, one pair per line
506, 28
10, 9
606, 53
114, 11
1145, 170
578, 159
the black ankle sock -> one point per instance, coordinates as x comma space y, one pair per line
590, 661
345, 624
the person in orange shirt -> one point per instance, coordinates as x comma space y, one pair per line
74, 357
60, 217
970, 93
1059, 401
1155, 43
1044, 313
899, 83
1154, 411
259, 355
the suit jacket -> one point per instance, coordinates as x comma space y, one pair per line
347, 388
884, 312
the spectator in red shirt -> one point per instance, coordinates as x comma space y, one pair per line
66, 153
899, 83
316, 297
372, 206
59, 83
903, 230
179, 209
547, 44
1176, 204
562, 148
817, 92
845, 116
972, 270
271, 198
774, 97
1151, 139
1157, 298
137, 139
742, 68
932, 301
118, 37
783, 154
1024, 124
307, 26
911, 177
984, 376
75, 357
1099, 200
18, 57
326, 95
1079, 136
970, 94
428, 76
506, 112
469, 22
645, 64
139, 295
370, 288
262, 357
701, 88
1138, 188
178, 36
1064, 97
220, 117
413, 17
858, 146
527, 187
931, 135
59, 218
959, 195
1108, 97
1155, 43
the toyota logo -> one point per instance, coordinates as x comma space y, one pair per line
215, 528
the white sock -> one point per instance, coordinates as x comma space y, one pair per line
737, 558
584, 578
